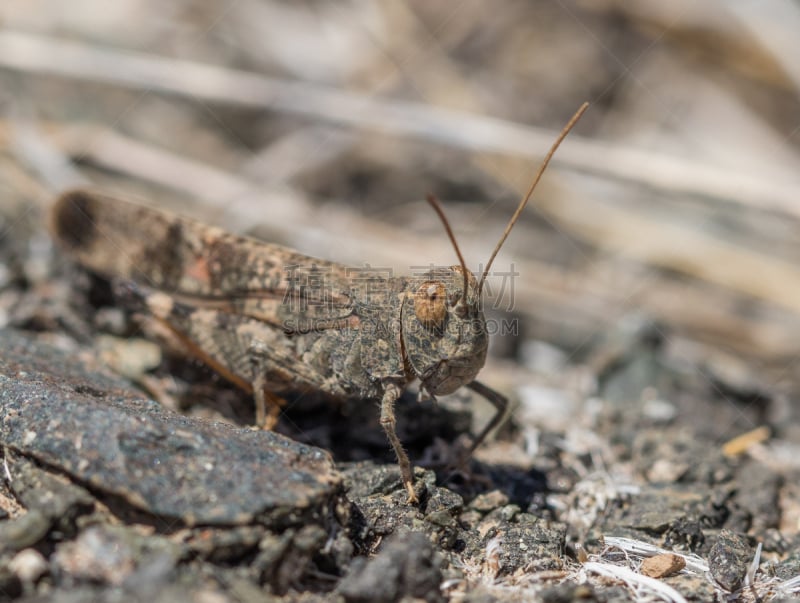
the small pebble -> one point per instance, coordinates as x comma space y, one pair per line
489, 501
729, 559
661, 566
28, 565
659, 411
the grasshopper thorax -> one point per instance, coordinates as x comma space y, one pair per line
444, 331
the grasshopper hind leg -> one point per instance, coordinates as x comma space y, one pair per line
249, 353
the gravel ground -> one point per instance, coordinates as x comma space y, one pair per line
647, 302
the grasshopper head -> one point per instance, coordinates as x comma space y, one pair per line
444, 330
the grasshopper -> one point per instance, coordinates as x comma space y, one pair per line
250, 309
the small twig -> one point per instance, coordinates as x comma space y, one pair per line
633, 580
6, 469
790, 586
645, 549
749, 579
742, 443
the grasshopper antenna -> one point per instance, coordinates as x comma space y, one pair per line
461, 306
570, 124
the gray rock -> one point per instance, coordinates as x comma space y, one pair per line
284, 559
729, 560
656, 508
380, 507
583, 593
789, 567
406, 566
694, 587
489, 501
54, 496
24, 531
94, 427
529, 543
758, 494
111, 554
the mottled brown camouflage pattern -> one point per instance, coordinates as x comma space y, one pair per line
271, 319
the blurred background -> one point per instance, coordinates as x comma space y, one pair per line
672, 207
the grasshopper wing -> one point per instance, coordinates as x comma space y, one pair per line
204, 266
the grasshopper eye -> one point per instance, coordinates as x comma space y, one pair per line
430, 304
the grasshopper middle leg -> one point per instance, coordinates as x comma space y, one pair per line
268, 406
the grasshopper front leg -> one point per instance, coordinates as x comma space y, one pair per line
388, 422
500, 403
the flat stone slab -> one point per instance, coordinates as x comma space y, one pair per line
96, 428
